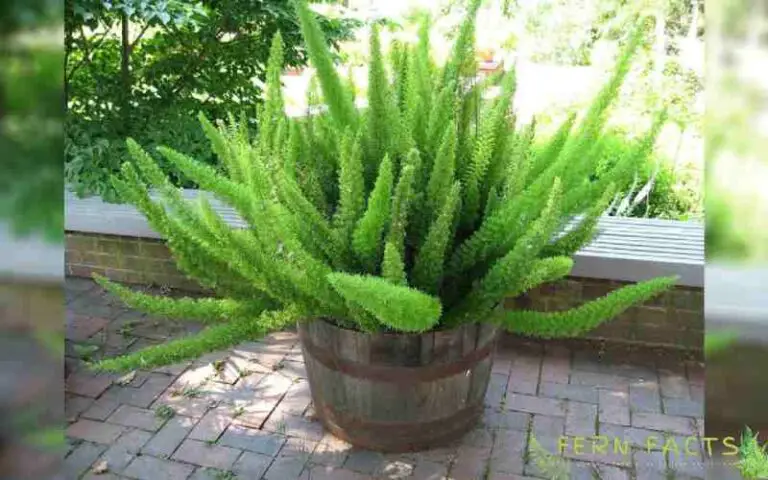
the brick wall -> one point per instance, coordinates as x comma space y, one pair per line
124, 259
674, 319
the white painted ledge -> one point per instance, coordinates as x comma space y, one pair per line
627, 249
737, 300
29, 259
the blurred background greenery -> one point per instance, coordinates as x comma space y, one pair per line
31, 114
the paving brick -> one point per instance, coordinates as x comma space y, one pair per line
506, 476
205, 455
149, 391
580, 393
74, 405
497, 389
87, 384
273, 385
581, 419
427, 470
589, 449
478, 437
193, 406
133, 440
325, 472
673, 385
470, 462
531, 404
292, 370
255, 414
173, 370
521, 385
227, 372
600, 380
505, 419
101, 476
285, 467
195, 375
296, 399
251, 465
649, 465
635, 437
331, 451
364, 461
258, 441
556, 367
130, 416
547, 426
395, 469
613, 407
508, 451
697, 393
682, 407
81, 459
696, 374
97, 432
664, 423
117, 458
644, 397
524, 375
686, 466
212, 425
298, 448
209, 474
81, 327
502, 362
150, 468
610, 472
168, 438
295, 426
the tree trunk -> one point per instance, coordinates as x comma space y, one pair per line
125, 71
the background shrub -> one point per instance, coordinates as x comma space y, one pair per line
145, 69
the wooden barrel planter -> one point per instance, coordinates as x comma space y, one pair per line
397, 392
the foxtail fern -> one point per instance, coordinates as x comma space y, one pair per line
424, 211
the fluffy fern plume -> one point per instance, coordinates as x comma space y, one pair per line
424, 211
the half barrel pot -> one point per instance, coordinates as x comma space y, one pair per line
394, 392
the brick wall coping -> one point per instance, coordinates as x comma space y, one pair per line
29, 258
737, 300
626, 249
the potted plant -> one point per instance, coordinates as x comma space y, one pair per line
391, 236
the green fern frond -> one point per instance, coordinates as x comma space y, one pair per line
395, 306
216, 337
367, 238
578, 321
207, 310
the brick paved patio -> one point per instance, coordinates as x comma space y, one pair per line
246, 413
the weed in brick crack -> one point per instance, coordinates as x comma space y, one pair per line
165, 412
85, 351
189, 391
222, 475
281, 427
126, 329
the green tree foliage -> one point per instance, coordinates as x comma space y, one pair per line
145, 69
413, 248
31, 197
